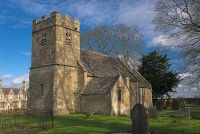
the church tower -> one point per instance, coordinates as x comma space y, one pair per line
54, 69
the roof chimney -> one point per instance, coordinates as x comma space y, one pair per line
24, 84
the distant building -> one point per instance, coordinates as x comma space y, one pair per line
68, 80
13, 98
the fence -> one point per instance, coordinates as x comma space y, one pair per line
23, 121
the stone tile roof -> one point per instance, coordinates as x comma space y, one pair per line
99, 85
100, 65
6, 91
16, 91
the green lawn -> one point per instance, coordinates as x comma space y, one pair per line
168, 121
98, 124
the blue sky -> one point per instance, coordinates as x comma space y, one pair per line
16, 18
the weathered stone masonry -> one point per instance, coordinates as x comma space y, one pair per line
69, 80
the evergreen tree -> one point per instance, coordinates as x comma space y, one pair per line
156, 69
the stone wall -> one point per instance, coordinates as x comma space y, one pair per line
148, 97
54, 68
133, 94
120, 107
67, 83
40, 93
98, 104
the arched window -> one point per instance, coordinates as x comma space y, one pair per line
119, 95
42, 89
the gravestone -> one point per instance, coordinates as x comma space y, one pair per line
168, 104
182, 103
152, 112
175, 105
159, 105
185, 113
139, 118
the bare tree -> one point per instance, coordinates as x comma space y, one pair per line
128, 42
180, 21
121, 40
98, 39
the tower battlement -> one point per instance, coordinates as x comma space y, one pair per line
56, 19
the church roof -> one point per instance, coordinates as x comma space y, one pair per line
99, 85
100, 65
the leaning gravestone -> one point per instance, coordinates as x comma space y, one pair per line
185, 113
152, 112
139, 118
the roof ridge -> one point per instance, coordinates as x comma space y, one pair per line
97, 53
137, 73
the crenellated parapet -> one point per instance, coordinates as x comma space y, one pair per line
56, 19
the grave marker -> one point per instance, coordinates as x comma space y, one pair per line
139, 118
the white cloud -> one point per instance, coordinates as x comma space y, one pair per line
26, 53
95, 12
165, 41
6, 76
16, 82
185, 88
161, 40
185, 75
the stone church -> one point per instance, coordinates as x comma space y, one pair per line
69, 80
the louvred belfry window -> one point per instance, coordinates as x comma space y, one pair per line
44, 39
68, 39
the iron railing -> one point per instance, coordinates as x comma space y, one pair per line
23, 121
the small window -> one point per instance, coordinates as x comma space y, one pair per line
0, 97
10, 97
44, 39
119, 95
68, 39
42, 89
21, 96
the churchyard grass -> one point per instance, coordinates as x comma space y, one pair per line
170, 122
97, 124
167, 121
